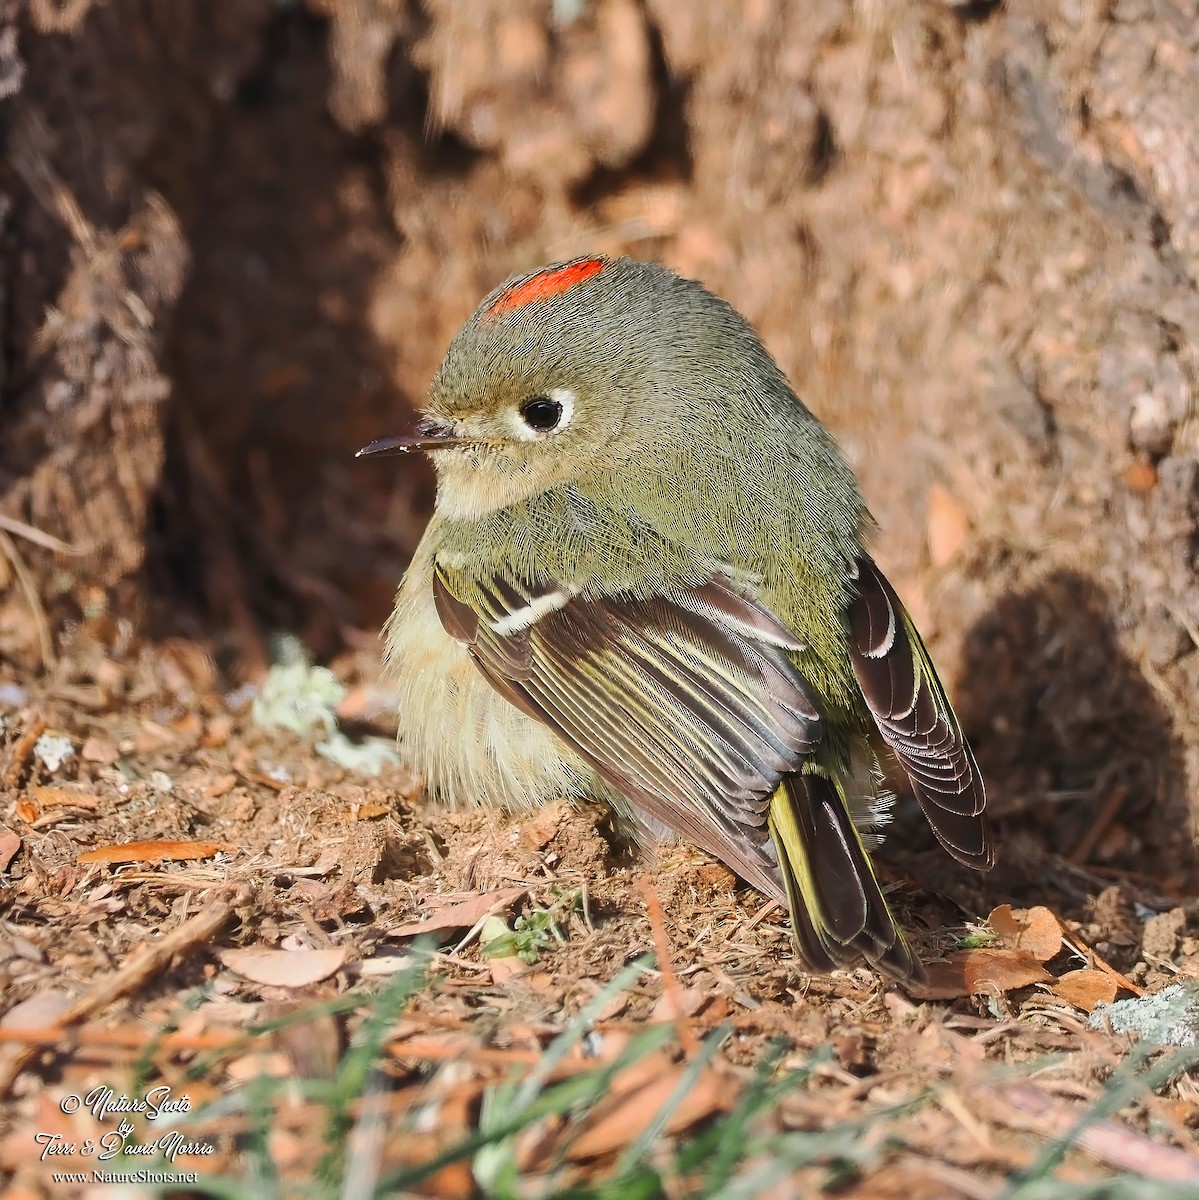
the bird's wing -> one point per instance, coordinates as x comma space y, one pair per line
915, 718
688, 704
838, 910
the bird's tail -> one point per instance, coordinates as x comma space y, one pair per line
838, 911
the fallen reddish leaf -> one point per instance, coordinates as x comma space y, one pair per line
464, 914
284, 968
1097, 960
613, 1125
1086, 988
985, 970
153, 851
27, 811
1036, 930
10, 843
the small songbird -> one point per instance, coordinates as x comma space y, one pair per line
646, 582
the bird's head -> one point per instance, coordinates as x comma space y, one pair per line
575, 368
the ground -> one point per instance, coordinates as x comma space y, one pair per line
290, 893
236, 240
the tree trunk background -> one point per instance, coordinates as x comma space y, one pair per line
236, 239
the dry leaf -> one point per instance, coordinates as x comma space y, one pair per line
1097, 960
1036, 930
285, 968
48, 797
99, 750
613, 1126
369, 811
152, 851
677, 1002
985, 970
464, 914
10, 843
948, 525
40, 1011
504, 970
27, 811
1086, 988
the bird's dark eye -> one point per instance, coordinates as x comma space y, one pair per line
541, 414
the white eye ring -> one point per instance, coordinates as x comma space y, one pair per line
564, 398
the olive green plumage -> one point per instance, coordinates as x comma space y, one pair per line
646, 581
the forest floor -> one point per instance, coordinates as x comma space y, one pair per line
235, 240
329, 986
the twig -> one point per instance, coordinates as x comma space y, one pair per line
120, 1039
1099, 826
22, 749
1021, 1106
38, 537
763, 912
670, 981
25, 580
1091, 955
146, 961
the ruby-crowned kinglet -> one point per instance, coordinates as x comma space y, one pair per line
645, 582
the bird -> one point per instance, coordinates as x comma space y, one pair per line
647, 581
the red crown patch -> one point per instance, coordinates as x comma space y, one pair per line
545, 284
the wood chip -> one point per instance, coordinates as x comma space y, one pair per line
1141, 477
49, 797
42, 1009
222, 785
19, 755
1025, 1107
678, 1002
369, 811
506, 969
152, 851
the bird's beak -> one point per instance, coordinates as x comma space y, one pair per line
429, 434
